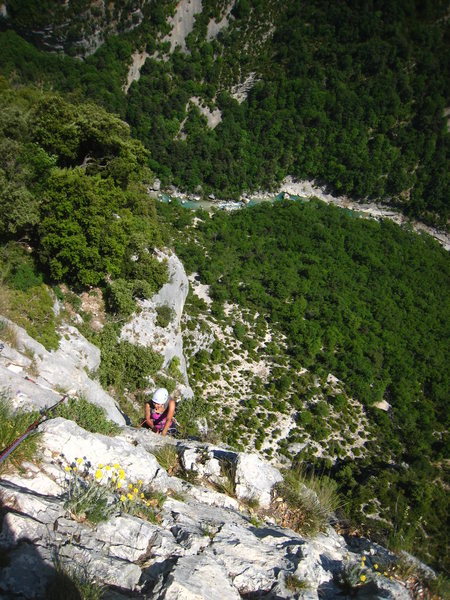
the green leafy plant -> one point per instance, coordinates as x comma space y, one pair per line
352, 578
125, 365
87, 499
143, 503
294, 584
31, 309
86, 415
165, 315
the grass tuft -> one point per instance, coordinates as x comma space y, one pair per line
12, 425
309, 501
225, 485
72, 583
168, 459
86, 415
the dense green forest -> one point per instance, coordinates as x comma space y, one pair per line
350, 94
74, 210
367, 302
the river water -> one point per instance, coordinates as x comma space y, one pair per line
290, 191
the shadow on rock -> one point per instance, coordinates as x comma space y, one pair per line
25, 569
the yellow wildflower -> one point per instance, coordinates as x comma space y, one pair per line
363, 559
363, 564
79, 461
67, 468
142, 495
121, 474
100, 466
135, 490
363, 578
385, 574
140, 482
116, 465
119, 485
122, 498
148, 503
98, 474
108, 467
74, 469
130, 486
130, 496
375, 566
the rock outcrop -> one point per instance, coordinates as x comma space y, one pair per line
75, 28
35, 378
143, 328
201, 544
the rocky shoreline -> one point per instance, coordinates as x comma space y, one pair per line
292, 187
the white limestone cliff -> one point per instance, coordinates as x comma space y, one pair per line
35, 378
143, 328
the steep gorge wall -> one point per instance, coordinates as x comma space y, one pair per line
75, 28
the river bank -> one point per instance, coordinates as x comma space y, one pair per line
308, 189
294, 188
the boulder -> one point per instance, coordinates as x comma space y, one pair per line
255, 478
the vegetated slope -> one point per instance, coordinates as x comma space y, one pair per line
74, 210
353, 95
367, 302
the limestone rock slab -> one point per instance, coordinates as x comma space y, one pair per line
255, 478
196, 578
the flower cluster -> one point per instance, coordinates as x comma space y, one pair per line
358, 574
372, 568
125, 497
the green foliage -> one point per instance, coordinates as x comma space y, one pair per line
294, 584
86, 415
125, 365
81, 240
74, 180
347, 109
312, 499
17, 268
12, 425
166, 382
190, 412
86, 499
353, 578
33, 310
119, 298
165, 315
8, 333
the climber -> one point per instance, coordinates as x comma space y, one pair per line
159, 413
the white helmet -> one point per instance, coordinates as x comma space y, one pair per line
161, 396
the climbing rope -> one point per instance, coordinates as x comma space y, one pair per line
7, 451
